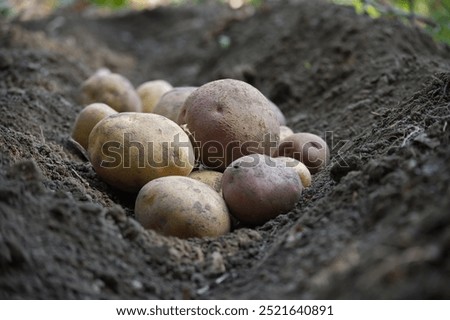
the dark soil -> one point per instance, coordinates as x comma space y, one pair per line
374, 224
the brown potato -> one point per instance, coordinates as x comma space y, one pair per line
229, 119
182, 207
150, 92
181, 118
307, 148
285, 132
280, 116
210, 177
87, 119
112, 89
127, 150
171, 102
257, 188
300, 168
194, 143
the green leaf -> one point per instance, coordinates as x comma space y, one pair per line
114, 4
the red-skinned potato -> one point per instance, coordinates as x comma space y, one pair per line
182, 207
150, 92
110, 88
307, 148
87, 119
229, 119
194, 143
280, 116
172, 101
257, 188
181, 118
129, 149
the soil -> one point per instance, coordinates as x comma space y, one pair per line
373, 225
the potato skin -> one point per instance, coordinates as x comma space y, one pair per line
280, 116
229, 119
182, 207
300, 168
285, 132
181, 118
112, 89
150, 92
87, 119
127, 150
257, 188
210, 177
172, 101
307, 148
194, 143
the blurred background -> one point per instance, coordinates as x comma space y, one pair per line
433, 15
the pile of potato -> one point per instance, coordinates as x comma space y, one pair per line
198, 157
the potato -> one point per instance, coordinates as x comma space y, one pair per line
112, 89
280, 116
257, 188
194, 143
129, 149
210, 177
87, 119
150, 92
229, 119
300, 168
170, 103
285, 132
182, 207
307, 148
181, 118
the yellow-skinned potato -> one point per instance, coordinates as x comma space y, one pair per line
308, 148
87, 119
112, 89
182, 207
171, 102
285, 132
127, 150
150, 92
210, 177
300, 168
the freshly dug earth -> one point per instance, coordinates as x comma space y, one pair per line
374, 223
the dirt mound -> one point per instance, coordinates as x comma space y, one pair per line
374, 223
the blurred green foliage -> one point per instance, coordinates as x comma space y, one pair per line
436, 11
441, 15
5, 9
115, 4
433, 15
